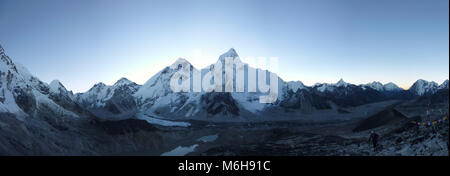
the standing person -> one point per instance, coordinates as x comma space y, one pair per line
374, 138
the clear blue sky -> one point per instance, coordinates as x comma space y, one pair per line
82, 42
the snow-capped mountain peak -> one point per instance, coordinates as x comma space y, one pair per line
97, 87
55, 86
158, 85
324, 87
375, 85
391, 87
421, 87
178, 62
230, 53
110, 102
20, 83
327, 87
341, 83
295, 85
123, 81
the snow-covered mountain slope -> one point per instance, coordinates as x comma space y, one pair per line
159, 85
351, 95
100, 93
444, 85
9, 79
326, 87
23, 94
295, 85
156, 96
422, 87
341, 83
60, 95
57, 87
110, 102
248, 100
375, 85
332, 88
343, 94
389, 87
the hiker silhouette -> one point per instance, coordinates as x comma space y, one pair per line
374, 138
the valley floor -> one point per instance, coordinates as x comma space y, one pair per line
45, 136
300, 139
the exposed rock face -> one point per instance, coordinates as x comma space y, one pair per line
304, 100
222, 103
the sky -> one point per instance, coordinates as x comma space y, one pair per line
83, 42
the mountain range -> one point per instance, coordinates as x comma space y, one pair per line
22, 94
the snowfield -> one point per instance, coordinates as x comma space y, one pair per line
180, 151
